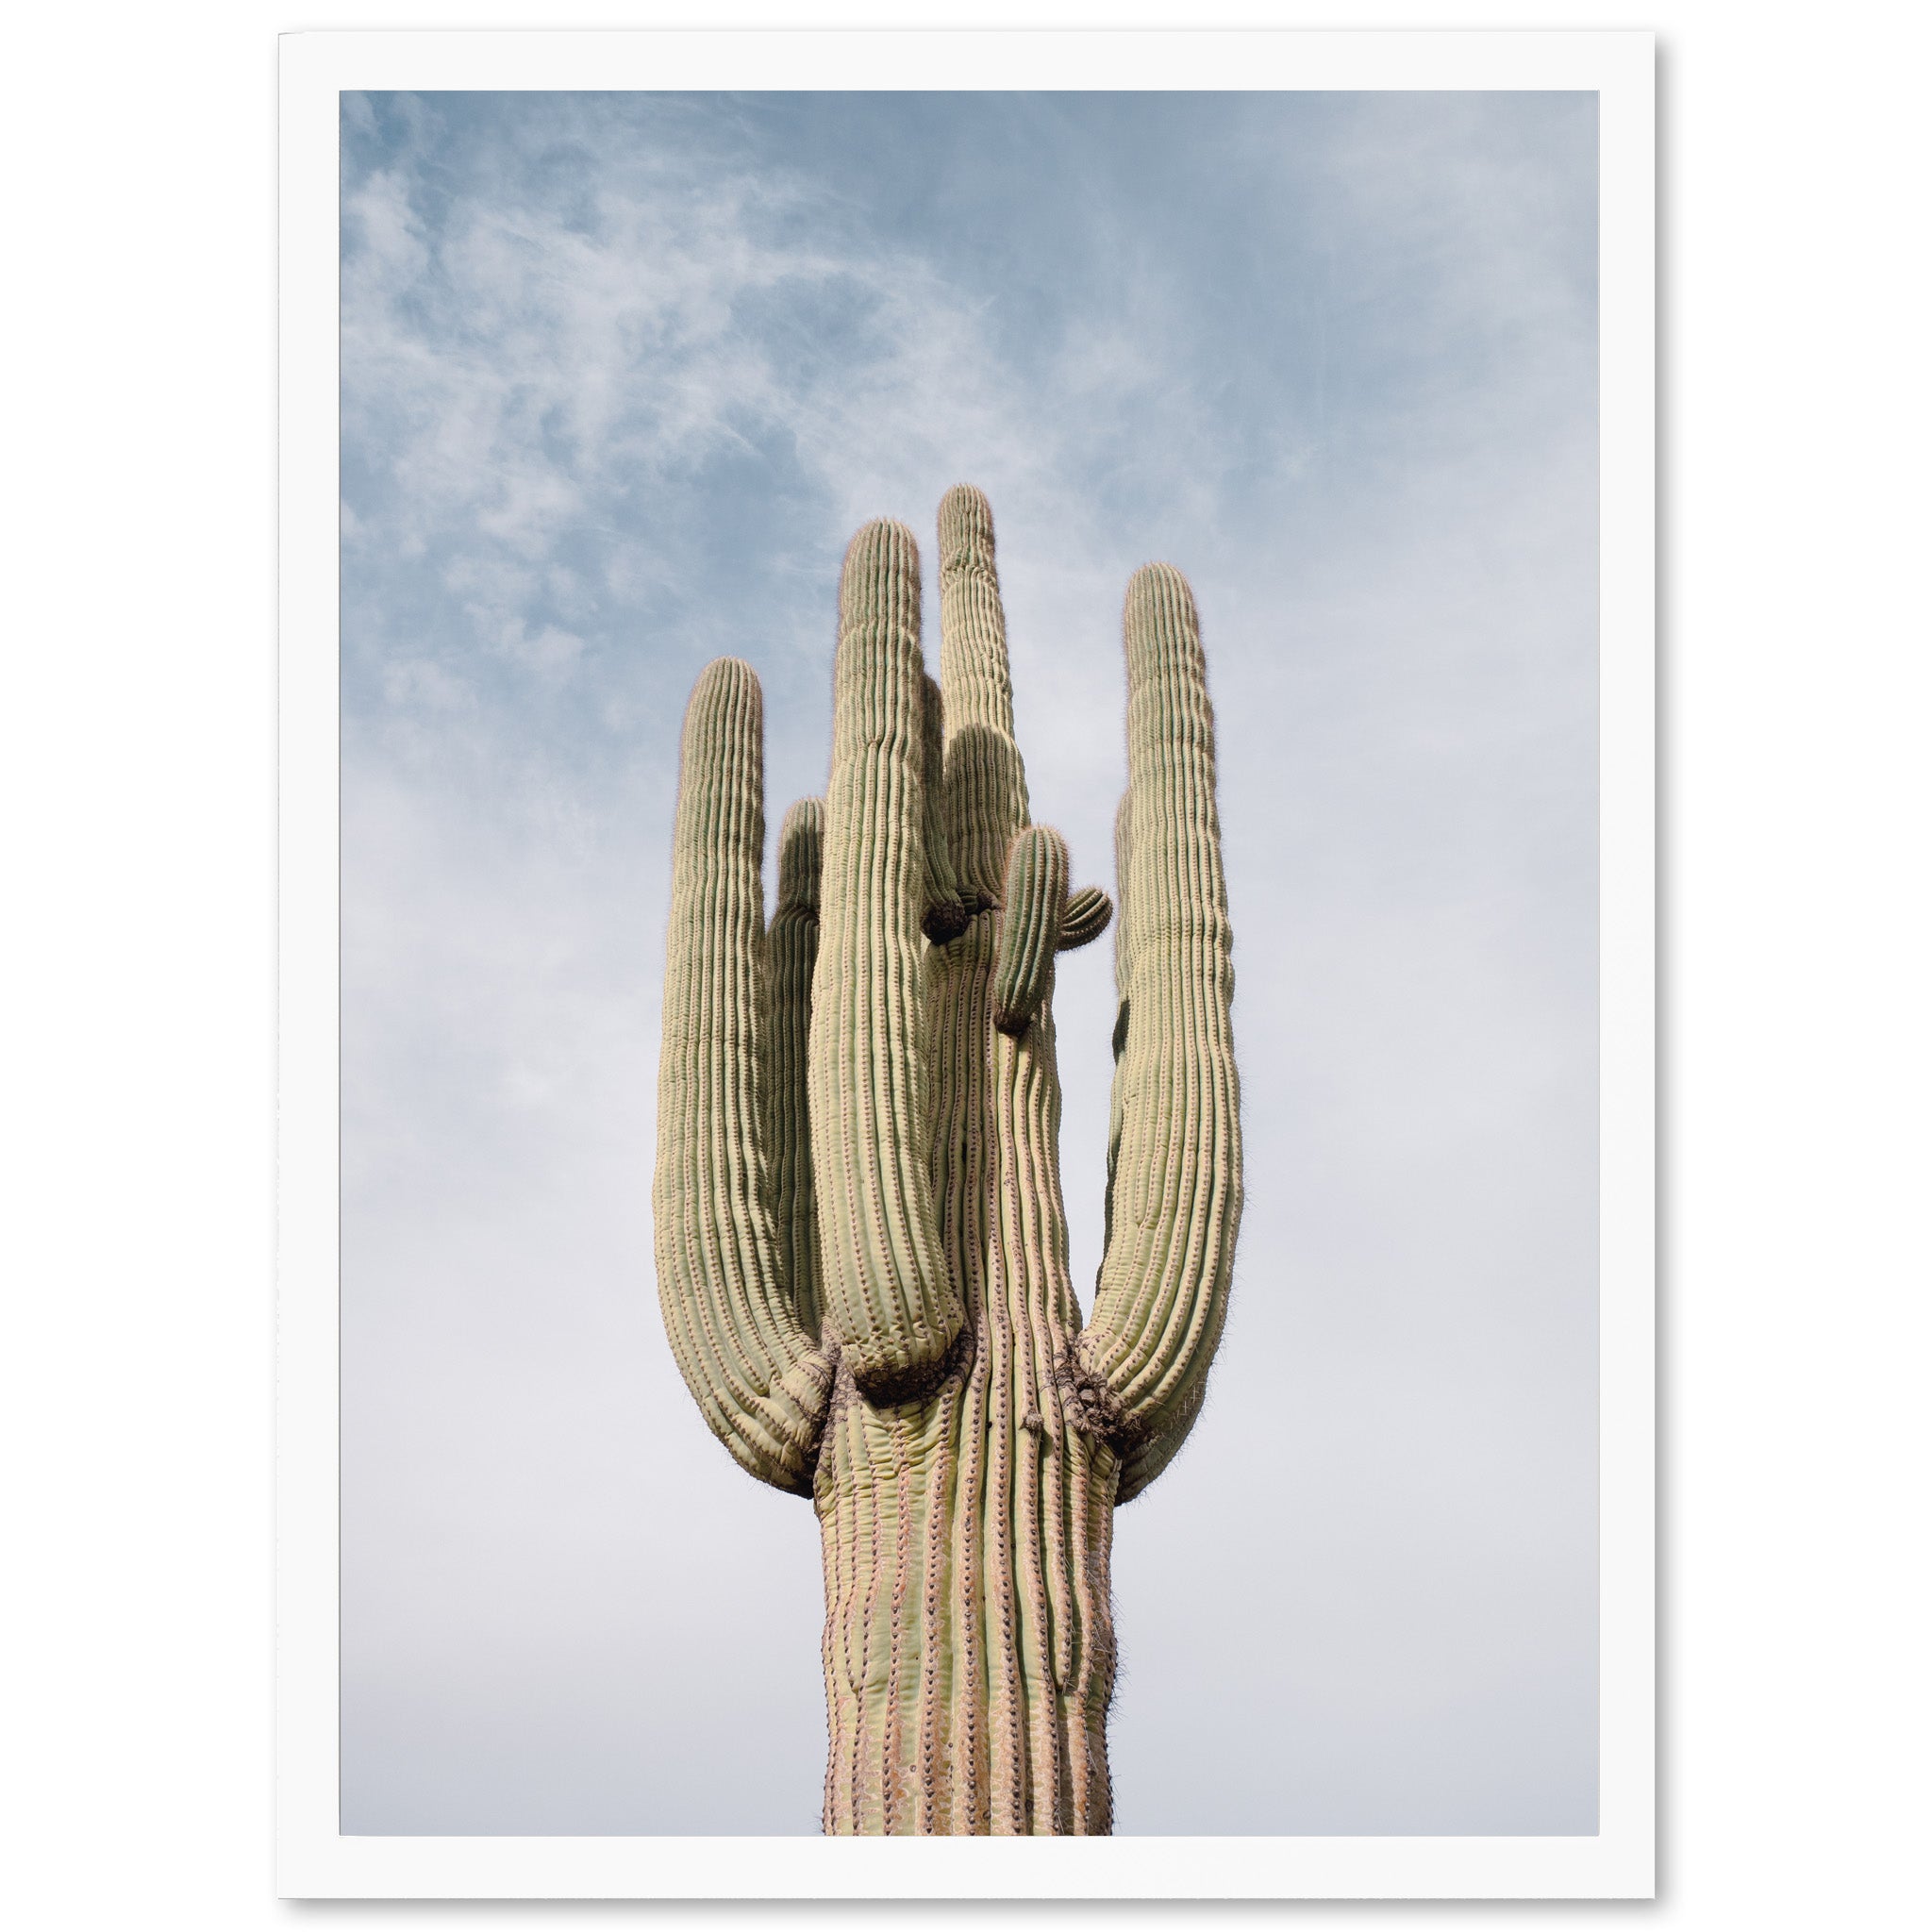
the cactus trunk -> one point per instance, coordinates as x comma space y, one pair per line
969, 1641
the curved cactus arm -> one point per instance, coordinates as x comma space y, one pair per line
1034, 899
889, 1296
986, 781
1144, 1460
1087, 914
1174, 1186
791, 951
761, 1383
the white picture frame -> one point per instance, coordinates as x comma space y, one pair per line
315, 1858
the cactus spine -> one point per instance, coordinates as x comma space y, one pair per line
861, 1239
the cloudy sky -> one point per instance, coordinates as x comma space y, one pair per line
621, 375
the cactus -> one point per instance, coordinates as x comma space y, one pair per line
862, 1242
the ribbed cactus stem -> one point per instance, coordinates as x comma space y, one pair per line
791, 951
759, 1381
801, 857
986, 781
1034, 900
861, 1239
885, 1285
945, 915
1086, 918
1175, 1196
1122, 978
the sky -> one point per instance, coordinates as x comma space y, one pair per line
620, 375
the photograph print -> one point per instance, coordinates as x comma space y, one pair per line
969, 963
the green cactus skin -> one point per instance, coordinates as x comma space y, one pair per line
1085, 919
888, 1295
861, 1239
1162, 1295
792, 952
946, 912
1035, 900
757, 1372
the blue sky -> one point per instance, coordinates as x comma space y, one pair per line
621, 375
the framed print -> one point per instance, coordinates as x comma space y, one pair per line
966, 965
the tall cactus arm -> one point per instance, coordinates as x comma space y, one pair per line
1033, 903
889, 1296
1122, 867
946, 914
986, 782
791, 951
759, 1381
1174, 1192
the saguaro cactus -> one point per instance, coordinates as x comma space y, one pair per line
861, 1241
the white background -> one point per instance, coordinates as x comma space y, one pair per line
138, 722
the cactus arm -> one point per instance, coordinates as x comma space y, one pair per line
946, 914
986, 782
791, 951
1087, 916
758, 1380
1122, 867
1032, 903
889, 1296
1146, 1458
1174, 1185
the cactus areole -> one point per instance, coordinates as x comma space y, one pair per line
862, 1242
